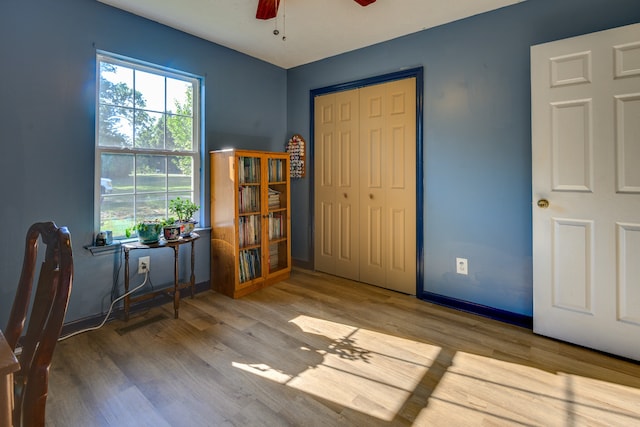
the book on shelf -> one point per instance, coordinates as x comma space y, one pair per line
249, 265
273, 257
276, 226
249, 230
274, 198
248, 169
276, 167
248, 199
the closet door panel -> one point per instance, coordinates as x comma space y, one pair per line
336, 151
372, 204
388, 126
325, 184
348, 158
400, 191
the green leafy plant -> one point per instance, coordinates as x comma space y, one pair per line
144, 226
183, 208
169, 221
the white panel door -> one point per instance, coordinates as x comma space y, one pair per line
586, 163
388, 185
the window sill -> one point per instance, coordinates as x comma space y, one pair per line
104, 249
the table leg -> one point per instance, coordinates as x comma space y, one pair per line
176, 291
192, 280
6, 399
126, 285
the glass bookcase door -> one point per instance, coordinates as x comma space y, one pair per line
278, 215
249, 218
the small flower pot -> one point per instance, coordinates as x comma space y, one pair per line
171, 232
186, 227
149, 232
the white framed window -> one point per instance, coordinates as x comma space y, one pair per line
147, 141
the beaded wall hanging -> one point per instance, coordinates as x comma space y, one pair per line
296, 147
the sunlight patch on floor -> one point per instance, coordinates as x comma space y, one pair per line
264, 371
478, 389
364, 370
380, 375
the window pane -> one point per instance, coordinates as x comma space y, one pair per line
179, 133
115, 126
151, 206
116, 85
116, 214
151, 173
118, 169
180, 173
149, 91
182, 195
149, 130
179, 97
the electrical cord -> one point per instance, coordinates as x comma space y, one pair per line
146, 279
151, 284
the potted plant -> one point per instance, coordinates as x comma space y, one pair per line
171, 229
148, 231
184, 210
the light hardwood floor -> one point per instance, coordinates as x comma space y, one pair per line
317, 350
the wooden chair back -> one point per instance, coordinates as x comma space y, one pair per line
45, 318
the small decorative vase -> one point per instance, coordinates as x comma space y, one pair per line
171, 232
186, 227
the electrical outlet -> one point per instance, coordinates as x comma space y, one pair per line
144, 263
462, 266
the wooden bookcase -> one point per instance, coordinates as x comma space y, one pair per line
250, 220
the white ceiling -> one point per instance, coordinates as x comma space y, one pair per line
314, 29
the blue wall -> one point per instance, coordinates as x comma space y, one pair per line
477, 131
47, 116
477, 138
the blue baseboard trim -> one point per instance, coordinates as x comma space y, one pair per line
479, 309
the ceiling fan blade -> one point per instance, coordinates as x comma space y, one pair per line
268, 9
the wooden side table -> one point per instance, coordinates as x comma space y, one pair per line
8, 365
172, 290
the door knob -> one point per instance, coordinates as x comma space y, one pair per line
543, 203
345, 195
371, 196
